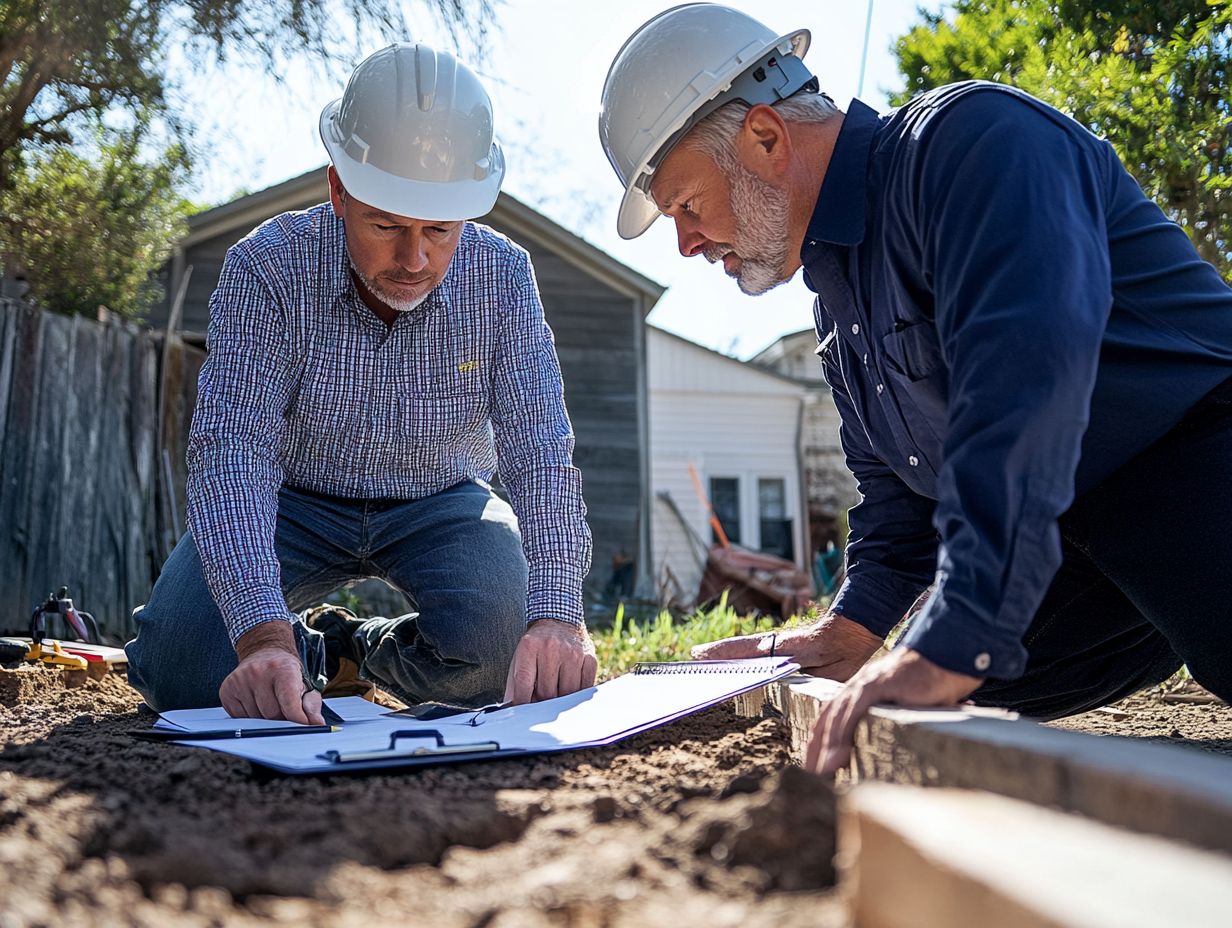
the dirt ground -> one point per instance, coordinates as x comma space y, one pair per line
1184, 715
700, 822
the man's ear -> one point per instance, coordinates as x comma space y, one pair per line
337, 193
764, 144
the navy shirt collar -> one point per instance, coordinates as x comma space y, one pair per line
838, 216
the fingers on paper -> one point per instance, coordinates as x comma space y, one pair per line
520, 685
311, 701
590, 670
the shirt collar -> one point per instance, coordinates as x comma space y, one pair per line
838, 216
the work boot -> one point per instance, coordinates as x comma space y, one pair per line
344, 652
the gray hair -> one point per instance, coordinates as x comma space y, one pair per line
715, 136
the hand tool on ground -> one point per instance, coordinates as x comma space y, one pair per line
80, 624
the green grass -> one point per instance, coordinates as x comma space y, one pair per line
669, 638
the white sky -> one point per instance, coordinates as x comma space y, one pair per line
545, 71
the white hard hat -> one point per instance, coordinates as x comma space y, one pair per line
412, 135
674, 71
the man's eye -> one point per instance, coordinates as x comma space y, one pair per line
387, 228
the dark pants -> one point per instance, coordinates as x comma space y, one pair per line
1145, 584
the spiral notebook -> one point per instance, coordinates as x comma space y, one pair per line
649, 696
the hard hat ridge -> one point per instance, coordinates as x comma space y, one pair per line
413, 135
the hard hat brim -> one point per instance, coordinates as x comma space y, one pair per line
637, 210
444, 202
637, 214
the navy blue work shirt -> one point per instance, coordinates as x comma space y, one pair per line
1005, 319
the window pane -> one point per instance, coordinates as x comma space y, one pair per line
772, 513
725, 499
772, 498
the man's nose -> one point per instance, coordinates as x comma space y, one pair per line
688, 239
412, 251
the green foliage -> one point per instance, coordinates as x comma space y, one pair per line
62, 60
669, 638
91, 225
1153, 78
91, 216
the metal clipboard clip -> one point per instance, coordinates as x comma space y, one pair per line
392, 752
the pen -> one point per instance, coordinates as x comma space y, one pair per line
162, 734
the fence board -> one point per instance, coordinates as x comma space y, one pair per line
83, 500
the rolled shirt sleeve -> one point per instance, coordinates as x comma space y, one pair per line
234, 472
534, 442
1013, 237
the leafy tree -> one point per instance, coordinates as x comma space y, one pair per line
1153, 78
93, 221
89, 212
60, 59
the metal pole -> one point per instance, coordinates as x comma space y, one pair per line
868, 28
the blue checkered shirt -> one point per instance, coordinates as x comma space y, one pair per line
304, 385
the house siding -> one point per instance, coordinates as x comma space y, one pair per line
727, 419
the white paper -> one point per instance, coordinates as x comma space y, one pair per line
593, 716
350, 708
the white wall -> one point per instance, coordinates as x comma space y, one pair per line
727, 419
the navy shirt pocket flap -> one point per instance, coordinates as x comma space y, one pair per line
913, 350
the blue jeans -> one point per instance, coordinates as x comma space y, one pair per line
1145, 582
457, 556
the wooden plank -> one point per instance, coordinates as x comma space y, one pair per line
19, 440
914, 858
1158, 789
10, 313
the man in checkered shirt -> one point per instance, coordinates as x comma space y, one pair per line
367, 372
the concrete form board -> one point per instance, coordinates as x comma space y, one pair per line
912, 858
1171, 792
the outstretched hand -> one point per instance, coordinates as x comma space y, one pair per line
835, 647
554, 658
903, 677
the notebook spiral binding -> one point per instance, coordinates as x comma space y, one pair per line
662, 667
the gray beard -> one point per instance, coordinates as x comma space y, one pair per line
401, 306
761, 231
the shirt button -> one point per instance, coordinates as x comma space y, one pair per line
855, 330
866, 360
880, 388
913, 460
982, 661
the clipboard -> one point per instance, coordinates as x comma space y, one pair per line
650, 696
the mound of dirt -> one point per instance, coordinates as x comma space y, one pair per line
699, 822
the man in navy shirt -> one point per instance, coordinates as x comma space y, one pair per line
1032, 365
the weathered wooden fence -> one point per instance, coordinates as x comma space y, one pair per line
93, 422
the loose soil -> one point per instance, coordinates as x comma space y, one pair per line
700, 822
1184, 715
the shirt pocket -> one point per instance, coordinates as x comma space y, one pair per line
918, 376
429, 424
913, 351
